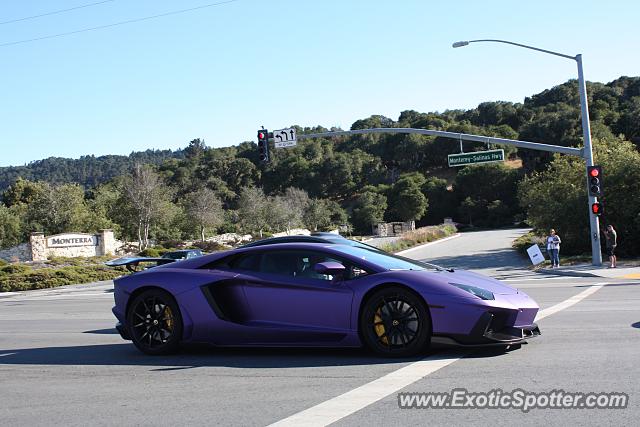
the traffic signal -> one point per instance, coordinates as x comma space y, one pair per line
596, 209
594, 174
263, 145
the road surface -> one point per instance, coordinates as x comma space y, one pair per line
62, 363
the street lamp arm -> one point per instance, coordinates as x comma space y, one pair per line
587, 151
464, 43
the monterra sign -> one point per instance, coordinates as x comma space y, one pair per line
69, 240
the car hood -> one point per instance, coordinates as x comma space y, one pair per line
438, 281
494, 286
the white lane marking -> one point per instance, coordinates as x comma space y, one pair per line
346, 404
339, 407
569, 302
428, 244
7, 354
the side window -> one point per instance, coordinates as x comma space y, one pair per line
248, 262
309, 260
301, 263
355, 272
283, 263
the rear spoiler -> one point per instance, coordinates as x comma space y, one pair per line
133, 263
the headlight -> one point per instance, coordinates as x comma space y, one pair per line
474, 290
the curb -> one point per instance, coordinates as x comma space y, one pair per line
565, 273
428, 244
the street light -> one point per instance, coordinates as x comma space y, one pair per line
587, 152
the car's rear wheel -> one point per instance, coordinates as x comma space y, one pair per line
154, 322
395, 322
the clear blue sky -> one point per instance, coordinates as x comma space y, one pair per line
221, 72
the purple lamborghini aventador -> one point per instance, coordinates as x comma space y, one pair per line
315, 294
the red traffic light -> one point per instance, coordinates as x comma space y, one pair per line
594, 177
263, 145
596, 209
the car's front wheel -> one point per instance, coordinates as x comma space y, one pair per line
154, 322
395, 322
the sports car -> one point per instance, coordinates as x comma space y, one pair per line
315, 294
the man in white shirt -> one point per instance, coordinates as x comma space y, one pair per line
553, 248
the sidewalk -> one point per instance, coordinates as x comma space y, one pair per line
587, 270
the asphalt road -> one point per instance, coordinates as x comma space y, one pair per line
61, 362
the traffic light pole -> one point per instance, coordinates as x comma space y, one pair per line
596, 255
594, 222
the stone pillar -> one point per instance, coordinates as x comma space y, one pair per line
106, 242
38, 245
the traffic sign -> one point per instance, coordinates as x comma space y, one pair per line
475, 157
285, 138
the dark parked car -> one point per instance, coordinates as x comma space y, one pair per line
134, 264
183, 254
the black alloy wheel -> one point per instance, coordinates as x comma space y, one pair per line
395, 322
154, 321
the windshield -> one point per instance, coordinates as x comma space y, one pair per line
386, 260
342, 241
175, 255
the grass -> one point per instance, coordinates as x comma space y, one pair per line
55, 272
420, 236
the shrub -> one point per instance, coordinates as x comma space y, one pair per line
172, 244
524, 242
420, 236
53, 277
150, 252
3, 263
15, 268
210, 246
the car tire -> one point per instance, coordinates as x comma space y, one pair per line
395, 322
154, 322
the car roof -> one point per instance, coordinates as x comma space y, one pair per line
325, 238
287, 239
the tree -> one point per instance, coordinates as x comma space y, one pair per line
368, 210
253, 210
470, 209
406, 198
145, 194
204, 208
10, 234
195, 149
483, 184
22, 191
557, 198
323, 214
442, 203
59, 209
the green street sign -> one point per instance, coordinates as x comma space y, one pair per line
475, 157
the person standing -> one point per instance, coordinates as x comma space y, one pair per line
553, 248
611, 244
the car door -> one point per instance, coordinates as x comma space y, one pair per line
287, 294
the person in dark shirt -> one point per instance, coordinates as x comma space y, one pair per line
611, 244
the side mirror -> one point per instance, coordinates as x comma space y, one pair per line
330, 267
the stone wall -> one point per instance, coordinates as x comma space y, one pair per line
71, 245
17, 253
389, 229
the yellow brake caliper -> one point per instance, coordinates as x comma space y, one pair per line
379, 327
168, 315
